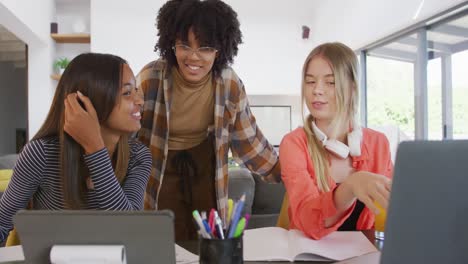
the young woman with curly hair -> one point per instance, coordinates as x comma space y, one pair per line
196, 110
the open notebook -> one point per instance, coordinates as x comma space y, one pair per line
278, 244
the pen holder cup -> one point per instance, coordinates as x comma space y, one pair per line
226, 251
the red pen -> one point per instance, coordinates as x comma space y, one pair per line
211, 220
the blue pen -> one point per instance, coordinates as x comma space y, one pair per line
234, 206
207, 228
235, 218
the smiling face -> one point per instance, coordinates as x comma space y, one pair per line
191, 65
319, 90
125, 116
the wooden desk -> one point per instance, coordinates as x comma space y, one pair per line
192, 246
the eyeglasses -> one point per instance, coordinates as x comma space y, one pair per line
204, 53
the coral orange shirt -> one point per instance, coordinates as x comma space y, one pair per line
308, 206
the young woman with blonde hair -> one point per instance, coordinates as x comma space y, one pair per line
334, 170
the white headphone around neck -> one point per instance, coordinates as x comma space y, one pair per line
340, 149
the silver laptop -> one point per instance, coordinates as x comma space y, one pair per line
428, 214
148, 236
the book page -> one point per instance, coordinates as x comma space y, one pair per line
371, 258
11, 254
267, 244
298, 249
184, 256
336, 246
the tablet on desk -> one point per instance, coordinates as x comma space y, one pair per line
148, 236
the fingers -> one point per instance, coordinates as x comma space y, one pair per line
73, 104
370, 204
87, 103
381, 198
373, 189
66, 113
388, 185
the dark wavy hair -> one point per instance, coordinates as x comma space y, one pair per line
213, 22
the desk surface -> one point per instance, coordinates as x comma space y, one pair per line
192, 246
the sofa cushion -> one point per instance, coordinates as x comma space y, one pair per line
240, 182
268, 196
262, 220
5, 176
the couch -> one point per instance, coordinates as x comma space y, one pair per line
7, 162
263, 200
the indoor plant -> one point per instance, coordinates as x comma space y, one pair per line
61, 63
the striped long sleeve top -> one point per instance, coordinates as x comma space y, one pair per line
36, 176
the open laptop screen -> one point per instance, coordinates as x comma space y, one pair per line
428, 214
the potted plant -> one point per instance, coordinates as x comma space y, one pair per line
60, 64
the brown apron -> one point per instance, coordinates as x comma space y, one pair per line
189, 185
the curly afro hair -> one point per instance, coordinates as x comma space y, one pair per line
213, 22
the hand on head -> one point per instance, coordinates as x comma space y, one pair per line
369, 187
82, 124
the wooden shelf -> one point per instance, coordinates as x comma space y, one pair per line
55, 77
71, 38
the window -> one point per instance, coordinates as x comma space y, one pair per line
390, 82
447, 78
417, 79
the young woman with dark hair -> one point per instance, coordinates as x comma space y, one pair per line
196, 110
82, 157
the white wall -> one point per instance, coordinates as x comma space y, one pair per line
129, 34
271, 58
361, 22
30, 21
13, 105
269, 61
69, 13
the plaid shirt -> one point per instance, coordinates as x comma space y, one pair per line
234, 127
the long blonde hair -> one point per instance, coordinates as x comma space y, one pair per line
343, 63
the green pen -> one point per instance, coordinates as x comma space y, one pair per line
240, 227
